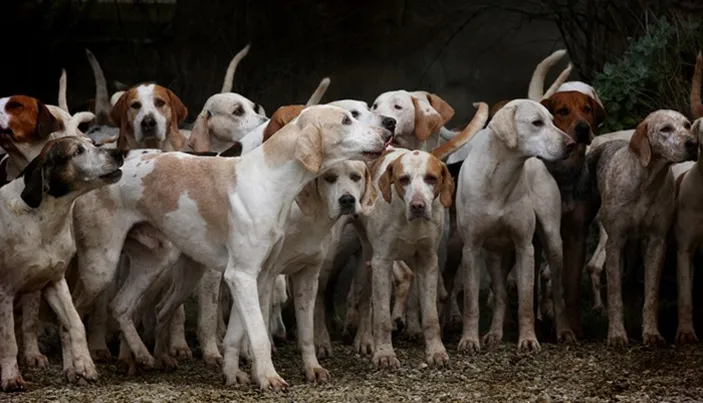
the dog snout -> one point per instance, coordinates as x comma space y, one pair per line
583, 132
388, 123
417, 208
346, 203
118, 155
569, 146
148, 124
692, 148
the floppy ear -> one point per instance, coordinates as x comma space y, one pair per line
446, 187
503, 125
548, 103
639, 144
118, 116
386, 181
309, 199
370, 195
442, 107
308, 148
425, 123
35, 183
200, 135
598, 112
178, 110
697, 131
46, 122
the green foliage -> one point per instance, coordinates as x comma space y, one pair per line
649, 74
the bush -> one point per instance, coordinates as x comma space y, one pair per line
653, 73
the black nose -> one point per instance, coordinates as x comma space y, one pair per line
118, 155
388, 123
148, 123
583, 132
691, 146
346, 202
417, 208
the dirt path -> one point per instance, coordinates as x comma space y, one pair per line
585, 373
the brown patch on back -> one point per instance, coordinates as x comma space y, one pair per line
280, 118
30, 122
207, 181
498, 106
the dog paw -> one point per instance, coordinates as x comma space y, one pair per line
566, 337
438, 358
167, 363
127, 366
528, 346
363, 344
272, 382
145, 361
386, 359
213, 360
617, 339
101, 354
492, 339
316, 374
469, 345
84, 369
653, 339
180, 351
237, 378
686, 336
14, 383
323, 350
36, 360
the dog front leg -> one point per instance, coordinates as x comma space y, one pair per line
384, 355
11, 378
178, 347
617, 336
304, 293
323, 345
525, 259
33, 358
470, 267
427, 270
654, 260
208, 301
595, 267
498, 268
685, 333
59, 298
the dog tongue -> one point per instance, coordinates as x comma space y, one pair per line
389, 142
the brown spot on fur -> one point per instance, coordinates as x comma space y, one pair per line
571, 108
444, 188
201, 180
280, 118
496, 107
30, 122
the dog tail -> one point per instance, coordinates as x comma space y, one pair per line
536, 89
77, 119
63, 104
229, 76
316, 96
102, 102
696, 104
558, 82
476, 124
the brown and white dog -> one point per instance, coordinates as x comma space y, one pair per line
38, 243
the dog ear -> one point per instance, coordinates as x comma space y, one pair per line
442, 107
548, 103
503, 125
309, 199
178, 111
370, 195
426, 122
598, 112
200, 135
46, 122
234, 151
118, 116
639, 144
35, 182
386, 181
308, 148
280, 118
446, 187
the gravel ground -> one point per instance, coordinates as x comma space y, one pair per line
588, 372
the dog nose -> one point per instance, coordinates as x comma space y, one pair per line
118, 155
691, 146
388, 123
417, 208
583, 132
346, 202
148, 123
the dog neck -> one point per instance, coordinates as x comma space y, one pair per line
503, 169
54, 213
653, 175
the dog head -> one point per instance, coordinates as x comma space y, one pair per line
69, 166
526, 127
360, 111
225, 118
282, 116
418, 178
417, 115
327, 135
575, 113
667, 134
148, 116
26, 124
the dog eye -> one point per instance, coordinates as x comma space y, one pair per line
136, 105
239, 111
538, 123
159, 103
398, 107
430, 179
667, 129
374, 106
563, 112
13, 105
79, 150
355, 114
331, 178
355, 177
687, 125
587, 109
346, 121
404, 180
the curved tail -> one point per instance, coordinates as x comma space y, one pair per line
102, 101
476, 124
558, 82
696, 104
536, 89
229, 76
77, 119
316, 96
63, 104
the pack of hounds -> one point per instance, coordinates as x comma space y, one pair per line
117, 217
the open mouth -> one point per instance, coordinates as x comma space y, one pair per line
114, 175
